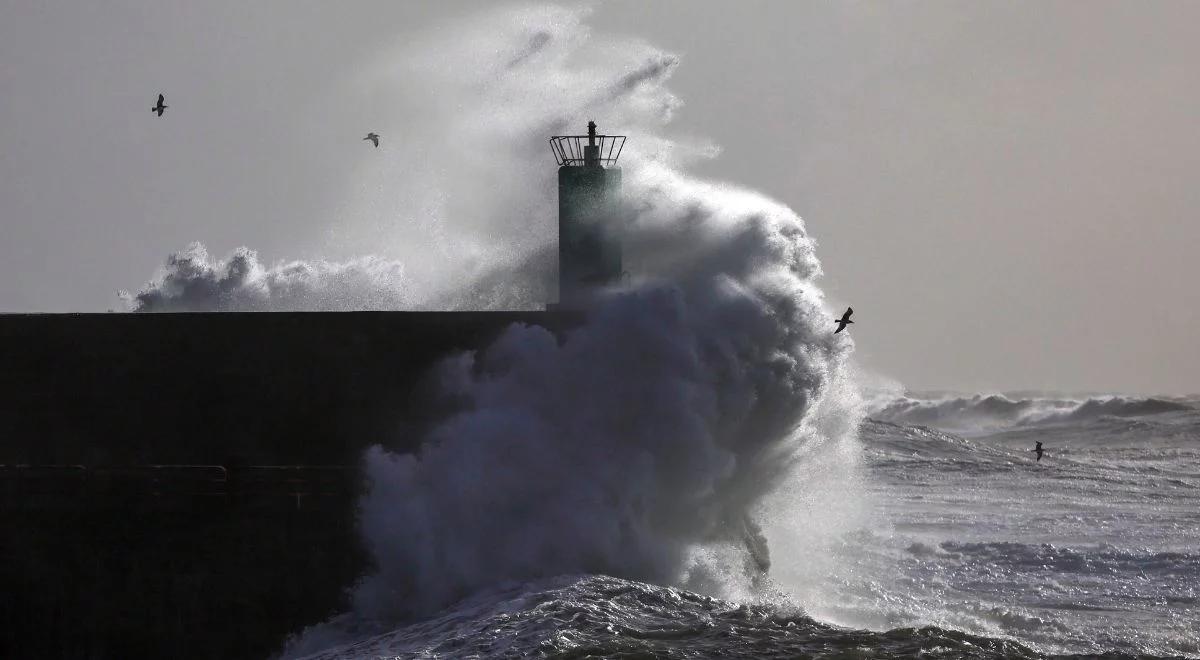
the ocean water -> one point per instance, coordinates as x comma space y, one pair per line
1093, 549
971, 549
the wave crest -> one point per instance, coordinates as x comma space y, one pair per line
981, 413
599, 616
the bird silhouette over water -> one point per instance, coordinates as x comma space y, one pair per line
844, 321
374, 138
1038, 451
162, 105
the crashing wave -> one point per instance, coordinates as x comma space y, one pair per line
702, 407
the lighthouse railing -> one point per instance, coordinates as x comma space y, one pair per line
568, 149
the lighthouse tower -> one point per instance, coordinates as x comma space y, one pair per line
589, 195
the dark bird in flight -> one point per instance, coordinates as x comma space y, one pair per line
1038, 451
162, 105
844, 321
374, 138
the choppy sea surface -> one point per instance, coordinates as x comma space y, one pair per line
974, 550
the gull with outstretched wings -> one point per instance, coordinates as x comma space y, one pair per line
844, 321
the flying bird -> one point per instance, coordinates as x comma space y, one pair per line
162, 105
1038, 450
844, 321
374, 138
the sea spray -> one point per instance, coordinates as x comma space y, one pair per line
640, 444
192, 281
656, 427
463, 192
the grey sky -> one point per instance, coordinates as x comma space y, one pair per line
1004, 191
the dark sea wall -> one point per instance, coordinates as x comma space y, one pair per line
141, 581
261, 388
150, 500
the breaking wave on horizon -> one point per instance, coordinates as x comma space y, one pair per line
980, 413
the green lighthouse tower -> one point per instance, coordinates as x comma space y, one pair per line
589, 202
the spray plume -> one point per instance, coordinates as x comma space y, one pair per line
707, 392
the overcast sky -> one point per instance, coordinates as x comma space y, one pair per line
1005, 192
